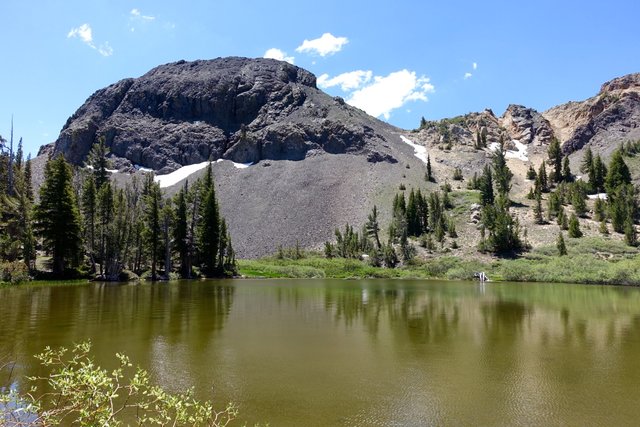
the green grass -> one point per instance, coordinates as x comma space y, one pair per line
590, 261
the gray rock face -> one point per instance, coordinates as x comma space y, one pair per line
609, 118
527, 125
240, 109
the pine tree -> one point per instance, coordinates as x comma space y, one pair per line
501, 171
587, 160
429, 175
531, 173
630, 235
562, 247
57, 216
89, 212
597, 175
537, 210
423, 123
555, 156
373, 227
97, 159
567, 176
574, 227
578, 201
486, 187
153, 229
27, 178
180, 233
618, 173
541, 180
105, 211
209, 230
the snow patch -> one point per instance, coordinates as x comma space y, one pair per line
236, 165
519, 153
142, 168
179, 174
602, 196
420, 150
112, 170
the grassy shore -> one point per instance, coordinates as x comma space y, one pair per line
592, 261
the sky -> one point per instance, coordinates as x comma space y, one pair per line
398, 61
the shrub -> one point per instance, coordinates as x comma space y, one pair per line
83, 393
14, 272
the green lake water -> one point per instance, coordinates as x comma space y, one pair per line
356, 353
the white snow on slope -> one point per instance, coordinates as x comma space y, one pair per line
179, 174
112, 170
519, 153
602, 196
420, 150
142, 168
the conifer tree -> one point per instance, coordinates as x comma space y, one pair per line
618, 173
97, 159
429, 173
578, 201
486, 187
562, 247
152, 222
501, 171
373, 227
180, 230
555, 156
57, 216
587, 160
567, 176
537, 209
531, 173
574, 226
541, 179
209, 228
89, 213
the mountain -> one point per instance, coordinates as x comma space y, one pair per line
244, 110
317, 163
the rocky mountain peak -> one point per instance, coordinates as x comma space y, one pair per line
624, 83
239, 109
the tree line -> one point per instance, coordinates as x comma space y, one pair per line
90, 226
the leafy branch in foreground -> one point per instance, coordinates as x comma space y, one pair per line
83, 393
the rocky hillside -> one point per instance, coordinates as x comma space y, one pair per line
244, 110
316, 162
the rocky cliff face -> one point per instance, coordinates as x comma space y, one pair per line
611, 117
240, 109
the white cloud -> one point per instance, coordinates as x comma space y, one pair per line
85, 34
136, 14
326, 44
347, 81
105, 49
467, 76
475, 65
275, 53
386, 94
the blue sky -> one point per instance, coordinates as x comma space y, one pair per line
399, 60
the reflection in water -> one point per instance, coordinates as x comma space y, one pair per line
357, 352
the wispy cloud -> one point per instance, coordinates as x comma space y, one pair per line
278, 54
136, 18
327, 44
347, 81
85, 34
475, 65
385, 94
467, 76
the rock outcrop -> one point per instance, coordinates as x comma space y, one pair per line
240, 109
611, 117
526, 125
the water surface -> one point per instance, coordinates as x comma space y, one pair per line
377, 352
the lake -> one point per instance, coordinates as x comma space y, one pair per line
358, 352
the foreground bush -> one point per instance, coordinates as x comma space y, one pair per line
82, 393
